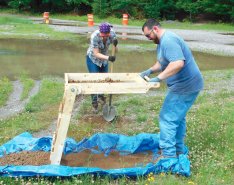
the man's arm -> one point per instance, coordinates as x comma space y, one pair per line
156, 67
171, 69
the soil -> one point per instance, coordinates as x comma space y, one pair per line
83, 159
107, 80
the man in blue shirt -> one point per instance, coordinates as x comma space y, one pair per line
176, 65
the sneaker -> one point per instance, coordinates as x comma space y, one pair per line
95, 107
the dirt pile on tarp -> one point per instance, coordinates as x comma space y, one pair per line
82, 159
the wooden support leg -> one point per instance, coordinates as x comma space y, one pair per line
64, 117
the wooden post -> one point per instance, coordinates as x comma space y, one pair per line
63, 121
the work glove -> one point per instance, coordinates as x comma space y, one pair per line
115, 42
156, 79
146, 73
111, 58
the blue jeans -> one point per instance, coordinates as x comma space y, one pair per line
93, 68
172, 122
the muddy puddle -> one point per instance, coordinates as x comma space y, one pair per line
46, 57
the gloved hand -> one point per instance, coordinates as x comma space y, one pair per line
111, 58
115, 42
156, 79
146, 73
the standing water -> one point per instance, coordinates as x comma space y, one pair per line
46, 57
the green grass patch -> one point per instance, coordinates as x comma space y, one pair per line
10, 19
19, 27
50, 94
210, 137
28, 84
6, 88
39, 114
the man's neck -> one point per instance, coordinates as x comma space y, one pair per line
161, 32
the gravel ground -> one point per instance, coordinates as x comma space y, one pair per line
220, 43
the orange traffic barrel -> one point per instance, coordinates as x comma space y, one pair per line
125, 19
46, 17
90, 20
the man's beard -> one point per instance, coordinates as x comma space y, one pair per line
156, 40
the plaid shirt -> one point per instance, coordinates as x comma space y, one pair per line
97, 42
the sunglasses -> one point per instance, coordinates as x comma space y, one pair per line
148, 35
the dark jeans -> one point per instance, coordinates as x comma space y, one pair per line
93, 68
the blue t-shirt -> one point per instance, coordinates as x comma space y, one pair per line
172, 48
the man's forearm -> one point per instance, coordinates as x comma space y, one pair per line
172, 68
156, 67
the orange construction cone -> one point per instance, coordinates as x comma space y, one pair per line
46, 17
125, 19
90, 20
125, 23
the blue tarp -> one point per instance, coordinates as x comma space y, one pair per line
101, 142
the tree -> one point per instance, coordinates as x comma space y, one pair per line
19, 4
101, 8
224, 9
134, 8
193, 7
80, 5
160, 8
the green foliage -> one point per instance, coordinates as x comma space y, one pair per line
78, 2
222, 8
152, 9
160, 9
101, 8
131, 7
193, 8
19, 4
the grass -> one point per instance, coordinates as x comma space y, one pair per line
19, 27
28, 84
6, 88
210, 134
40, 111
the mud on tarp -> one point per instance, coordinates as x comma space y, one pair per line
101, 142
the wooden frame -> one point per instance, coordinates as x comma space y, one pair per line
91, 83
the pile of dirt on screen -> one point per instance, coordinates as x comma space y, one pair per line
82, 159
